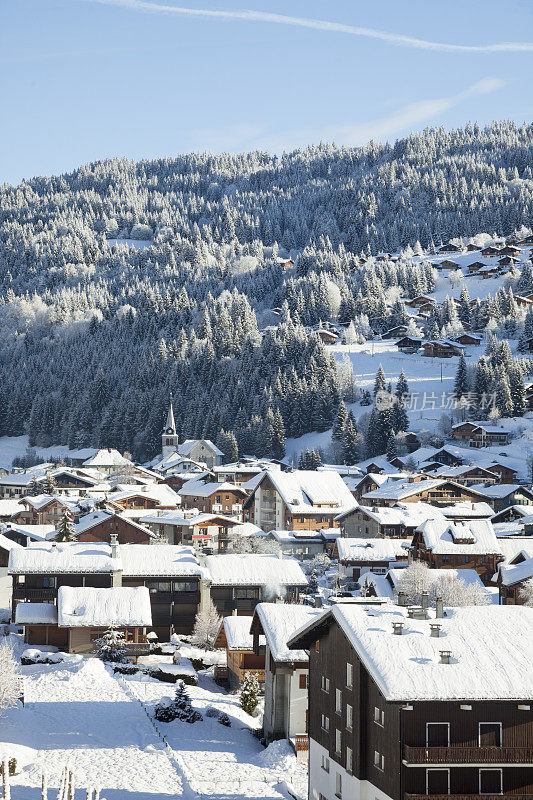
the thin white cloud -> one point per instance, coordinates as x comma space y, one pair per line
317, 24
237, 138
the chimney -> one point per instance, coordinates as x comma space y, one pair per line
397, 628
402, 599
439, 608
425, 600
435, 630
445, 656
113, 540
318, 601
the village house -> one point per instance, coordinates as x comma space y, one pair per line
147, 496
470, 544
213, 498
441, 348
191, 528
504, 495
25, 534
398, 710
299, 500
235, 638
420, 300
513, 574
44, 509
468, 338
99, 525
298, 544
490, 251
178, 585
511, 514
397, 522
467, 475
240, 581
357, 556
285, 714
109, 461
436, 491
449, 248
480, 434
83, 614
17, 483
388, 586
6, 546
241, 472
475, 266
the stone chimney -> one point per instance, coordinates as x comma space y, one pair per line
397, 628
116, 571
113, 540
445, 656
425, 600
402, 599
435, 630
439, 608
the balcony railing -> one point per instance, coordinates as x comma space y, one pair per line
301, 742
42, 593
457, 754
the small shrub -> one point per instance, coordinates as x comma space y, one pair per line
224, 720
212, 712
11, 766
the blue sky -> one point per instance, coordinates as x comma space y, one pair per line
89, 79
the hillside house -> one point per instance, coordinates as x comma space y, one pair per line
409, 344
191, 528
441, 348
357, 556
475, 266
436, 491
83, 614
480, 434
99, 525
299, 500
235, 637
468, 339
201, 450
470, 544
398, 710
213, 498
286, 671
398, 522
504, 495
44, 509
467, 475
240, 581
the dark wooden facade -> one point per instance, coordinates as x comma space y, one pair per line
486, 565
127, 531
396, 748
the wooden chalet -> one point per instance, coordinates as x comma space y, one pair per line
507, 261
190, 528
504, 495
471, 248
447, 264
449, 248
480, 434
359, 555
420, 300
468, 338
235, 638
513, 575
490, 251
409, 344
475, 266
470, 544
441, 348
436, 491
100, 525
213, 498
452, 720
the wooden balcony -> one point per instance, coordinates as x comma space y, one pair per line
40, 594
457, 754
301, 742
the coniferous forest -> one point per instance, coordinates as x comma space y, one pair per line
95, 334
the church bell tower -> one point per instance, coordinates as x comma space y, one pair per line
169, 437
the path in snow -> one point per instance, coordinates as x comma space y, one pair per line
82, 715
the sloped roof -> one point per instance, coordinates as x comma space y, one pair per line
355, 549
255, 570
279, 622
302, 489
107, 458
87, 607
197, 488
36, 614
186, 447
444, 537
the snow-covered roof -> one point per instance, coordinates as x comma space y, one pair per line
400, 490
36, 614
37, 533
491, 651
196, 488
87, 607
186, 447
379, 461
254, 570
279, 621
159, 492
7, 544
237, 631
91, 557
508, 529
308, 491
295, 536
9, 506
499, 490
518, 572
355, 549
445, 537
466, 510
182, 519
409, 514
380, 583
107, 457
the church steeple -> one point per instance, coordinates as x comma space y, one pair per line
169, 436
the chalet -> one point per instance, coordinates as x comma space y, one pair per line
286, 671
176, 479
178, 585
299, 500
356, 556
367, 483
436, 491
44, 509
298, 544
241, 472
109, 462
409, 344
504, 495
480, 434
378, 465
389, 586
471, 544
393, 333
510, 250
8, 507
468, 338
155, 495
466, 474
99, 525
6, 546
240, 581
504, 467
513, 574
511, 514
475, 266
398, 710
398, 522
490, 251
420, 300
523, 302
450, 248
83, 614
213, 498
526, 240
17, 483
328, 337
471, 248
447, 264
25, 534
235, 638
441, 348
489, 271
412, 441
284, 263
507, 261
191, 528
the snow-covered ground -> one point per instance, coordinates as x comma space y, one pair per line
79, 713
137, 244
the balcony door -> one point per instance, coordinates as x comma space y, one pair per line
437, 781
490, 734
437, 734
490, 781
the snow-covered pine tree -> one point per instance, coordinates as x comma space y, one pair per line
460, 386
111, 645
249, 693
380, 382
206, 625
65, 529
340, 422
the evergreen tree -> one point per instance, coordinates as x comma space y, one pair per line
65, 529
402, 388
460, 386
340, 423
249, 693
380, 382
49, 484
504, 401
350, 444
111, 645
518, 394
392, 450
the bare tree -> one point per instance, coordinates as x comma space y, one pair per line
206, 626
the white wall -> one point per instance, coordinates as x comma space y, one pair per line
322, 782
298, 703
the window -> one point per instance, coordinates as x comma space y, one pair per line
379, 760
437, 734
349, 717
490, 781
349, 760
303, 681
338, 701
349, 675
437, 781
317, 646
379, 716
465, 559
325, 763
49, 583
245, 594
490, 734
338, 742
185, 586
325, 684
324, 722
338, 785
